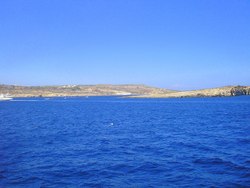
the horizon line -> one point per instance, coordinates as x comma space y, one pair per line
146, 85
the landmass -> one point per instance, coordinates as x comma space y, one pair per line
213, 92
81, 90
128, 90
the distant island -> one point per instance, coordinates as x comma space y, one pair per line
129, 90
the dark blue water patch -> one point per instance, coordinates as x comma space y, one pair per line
119, 142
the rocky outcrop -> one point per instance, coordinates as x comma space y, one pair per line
213, 92
240, 90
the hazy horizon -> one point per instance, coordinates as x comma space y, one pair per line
180, 45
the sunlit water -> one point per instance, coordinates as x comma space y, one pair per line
115, 142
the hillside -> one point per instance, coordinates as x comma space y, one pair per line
80, 90
213, 92
138, 91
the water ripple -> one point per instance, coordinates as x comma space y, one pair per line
113, 142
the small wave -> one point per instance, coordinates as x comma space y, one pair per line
120, 167
147, 167
218, 161
212, 161
244, 141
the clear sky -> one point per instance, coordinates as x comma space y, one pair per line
177, 44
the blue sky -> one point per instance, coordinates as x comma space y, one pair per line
177, 44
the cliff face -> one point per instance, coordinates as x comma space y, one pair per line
240, 90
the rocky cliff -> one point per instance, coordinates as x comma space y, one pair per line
240, 90
214, 92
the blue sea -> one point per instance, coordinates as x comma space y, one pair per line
119, 142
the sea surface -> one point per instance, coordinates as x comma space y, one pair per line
118, 142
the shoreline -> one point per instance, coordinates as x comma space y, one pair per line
127, 91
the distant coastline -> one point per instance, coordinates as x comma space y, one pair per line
128, 90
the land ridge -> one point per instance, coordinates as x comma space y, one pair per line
130, 90
225, 91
